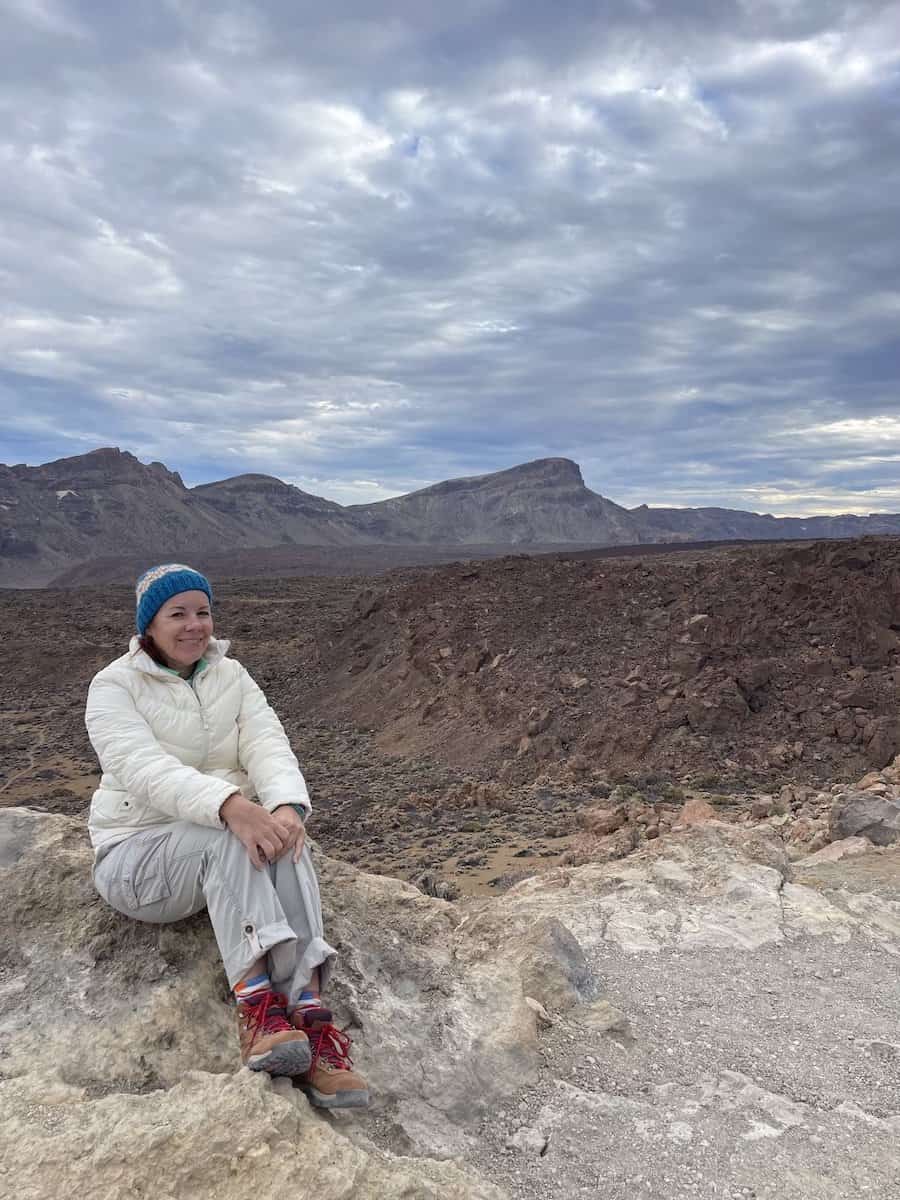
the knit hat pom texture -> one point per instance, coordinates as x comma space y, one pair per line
160, 584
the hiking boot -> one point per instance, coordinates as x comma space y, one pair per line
269, 1042
331, 1081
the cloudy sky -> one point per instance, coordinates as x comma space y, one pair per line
365, 246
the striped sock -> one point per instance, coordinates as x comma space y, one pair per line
247, 988
309, 999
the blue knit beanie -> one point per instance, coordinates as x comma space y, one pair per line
159, 584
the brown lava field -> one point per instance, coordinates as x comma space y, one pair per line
463, 720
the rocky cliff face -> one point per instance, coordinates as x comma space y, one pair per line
704, 1011
102, 503
262, 506
543, 501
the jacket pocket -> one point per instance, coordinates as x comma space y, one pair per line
133, 874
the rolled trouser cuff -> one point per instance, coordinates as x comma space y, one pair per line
255, 944
317, 954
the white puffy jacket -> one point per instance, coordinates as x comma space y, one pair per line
173, 750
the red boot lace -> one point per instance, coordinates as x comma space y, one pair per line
331, 1045
266, 1014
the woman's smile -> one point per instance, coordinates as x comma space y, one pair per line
182, 628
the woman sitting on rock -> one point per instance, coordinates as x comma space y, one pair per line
202, 804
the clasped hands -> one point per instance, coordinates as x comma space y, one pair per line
266, 836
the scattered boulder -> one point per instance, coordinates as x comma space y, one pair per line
761, 807
883, 742
807, 835
754, 675
605, 1017
696, 812
835, 851
553, 968
862, 814
528, 1140
600, 822
717, 708
432, 885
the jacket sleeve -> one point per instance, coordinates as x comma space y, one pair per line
128, 750
265, 753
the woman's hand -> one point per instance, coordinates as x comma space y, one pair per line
291, 825
264, 837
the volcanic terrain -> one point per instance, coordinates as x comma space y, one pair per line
472, 723
650, 804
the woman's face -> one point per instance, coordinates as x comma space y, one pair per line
182, 628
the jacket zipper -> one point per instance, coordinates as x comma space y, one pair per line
187, 683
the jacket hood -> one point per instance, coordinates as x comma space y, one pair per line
140, 660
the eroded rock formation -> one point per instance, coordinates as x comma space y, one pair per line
704, 1009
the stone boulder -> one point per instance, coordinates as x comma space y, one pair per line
717, 707
864, 814
696, 811
600, 822
440, 1020
883, 741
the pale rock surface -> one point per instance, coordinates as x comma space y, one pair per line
713, 886
696, 812
234, 1137
835, 851
702, 1017
442, 1022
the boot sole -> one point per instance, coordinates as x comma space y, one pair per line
346, 1099
290, 1058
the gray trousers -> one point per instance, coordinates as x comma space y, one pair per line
172, 871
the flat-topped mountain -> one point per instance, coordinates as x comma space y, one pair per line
544, 501
108, 505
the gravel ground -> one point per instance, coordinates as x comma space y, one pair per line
777, 1075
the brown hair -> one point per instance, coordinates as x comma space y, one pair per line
147, 643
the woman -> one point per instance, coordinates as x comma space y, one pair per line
202, 804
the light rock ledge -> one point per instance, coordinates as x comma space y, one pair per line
120, 1068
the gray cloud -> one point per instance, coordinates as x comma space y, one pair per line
379, 246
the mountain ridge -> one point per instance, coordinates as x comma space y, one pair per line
106, 503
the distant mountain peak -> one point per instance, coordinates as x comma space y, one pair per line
102, 467
251, 481
106, 502
561, 468
540, 471
543, 472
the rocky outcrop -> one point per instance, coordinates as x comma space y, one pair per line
262, 506
591, 1025
232, 1137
